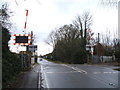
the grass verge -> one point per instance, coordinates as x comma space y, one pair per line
58, 62
117, 69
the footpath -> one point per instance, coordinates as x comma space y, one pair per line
29, 79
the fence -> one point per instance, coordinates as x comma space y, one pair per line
97, 59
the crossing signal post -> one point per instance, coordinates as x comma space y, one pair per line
23, 40
90, 48
32, 49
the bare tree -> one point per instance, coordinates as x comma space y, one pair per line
106, 38
5, 15
83, 23
115, 38
69, 41
110, 3
52, 38
66, 42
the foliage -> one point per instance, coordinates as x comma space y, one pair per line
108, 52
117, 69
4, 16
69, 47
117, 52
10, 61
83, 23
109, 3
69, 41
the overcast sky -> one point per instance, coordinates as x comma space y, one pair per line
45, 15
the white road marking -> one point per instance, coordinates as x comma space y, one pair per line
105, 72
110, 72
75, 68
45, 84
63, 72
96, 72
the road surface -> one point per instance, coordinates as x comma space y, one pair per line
51, 75
78, 76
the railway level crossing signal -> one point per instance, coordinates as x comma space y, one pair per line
22, 39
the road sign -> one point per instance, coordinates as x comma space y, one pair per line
32, 48
22, 48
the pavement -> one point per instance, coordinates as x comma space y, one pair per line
30, 79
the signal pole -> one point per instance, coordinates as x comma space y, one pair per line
98, 37
119, 21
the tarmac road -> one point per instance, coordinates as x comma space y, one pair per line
51, 75
78, 76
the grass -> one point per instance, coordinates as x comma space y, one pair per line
35, 63
58, 62
117, 69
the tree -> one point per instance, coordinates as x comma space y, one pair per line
107, 39
4, 21
83, 24
10, 61
113, 3
110, 42
52, 38
4, 16
69, 41
67, 45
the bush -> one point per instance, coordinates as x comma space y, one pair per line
10, 68
10, 62
71, 52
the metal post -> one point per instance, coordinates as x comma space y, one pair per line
119, 21
21, 57
0, 56
98, 37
